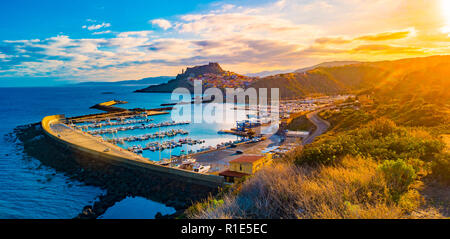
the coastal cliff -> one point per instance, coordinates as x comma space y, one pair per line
182, 79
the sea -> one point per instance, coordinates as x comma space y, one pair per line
31, 190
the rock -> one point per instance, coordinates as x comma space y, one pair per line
87, 213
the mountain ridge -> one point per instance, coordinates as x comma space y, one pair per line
143, 81
338, 77
327, 64
380, 75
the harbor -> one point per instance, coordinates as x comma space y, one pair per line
171, 148
151, 140
94, 147
135, 138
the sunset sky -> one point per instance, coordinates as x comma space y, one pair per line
49, 42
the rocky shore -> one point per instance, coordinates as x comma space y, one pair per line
118, 181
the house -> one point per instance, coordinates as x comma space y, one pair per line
365, 99
245, 165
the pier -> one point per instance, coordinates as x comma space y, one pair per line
194, 101
133, 127
108, 106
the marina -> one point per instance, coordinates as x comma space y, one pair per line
133, 127
163, 134
170, 144
109, 122
135, 137
139, 133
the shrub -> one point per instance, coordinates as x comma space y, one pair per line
410, 201
381, 139
441, 168
398, 176
351, 189
301, 123
208, 204
382, 128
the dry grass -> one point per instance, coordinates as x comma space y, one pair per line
353, 189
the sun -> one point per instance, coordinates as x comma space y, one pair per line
445, 4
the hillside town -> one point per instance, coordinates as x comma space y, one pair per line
225, 80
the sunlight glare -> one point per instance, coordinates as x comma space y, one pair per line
446, 12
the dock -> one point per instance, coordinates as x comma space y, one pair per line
233, 132
108, 106
192, 102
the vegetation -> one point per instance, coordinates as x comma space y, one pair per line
381, 140
301, 123
441, 168
380, 159
373, 172
353, 189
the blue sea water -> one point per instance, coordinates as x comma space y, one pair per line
133, 208
30, 190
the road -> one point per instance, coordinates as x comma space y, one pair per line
321, 126
219, 159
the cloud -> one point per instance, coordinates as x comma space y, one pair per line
135, 34
279, 35
96, 26
332, 40
385, 36
162, 23
242, 23
386, 49
101, 32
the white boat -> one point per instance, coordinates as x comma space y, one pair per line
201, 168
188, 160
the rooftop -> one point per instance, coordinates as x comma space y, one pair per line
247, 159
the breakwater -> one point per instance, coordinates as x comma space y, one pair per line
104, 151
108, 106
62, 197
118, 181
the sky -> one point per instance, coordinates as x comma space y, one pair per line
50, 42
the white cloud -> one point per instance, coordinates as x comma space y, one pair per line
162, 23
96, 27
102, 32
282, 35
135, 34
